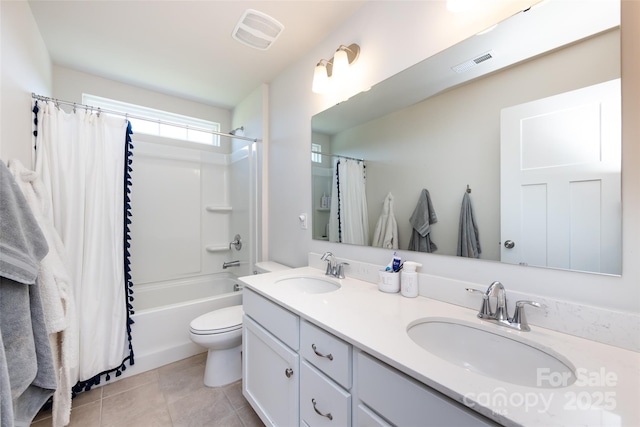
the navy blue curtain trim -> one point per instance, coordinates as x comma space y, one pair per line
364, 175
35, 123
338, 193
87, 384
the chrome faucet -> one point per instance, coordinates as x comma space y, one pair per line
500, 314
334, 268
231, 264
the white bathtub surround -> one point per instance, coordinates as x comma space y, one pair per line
377, 322
170, 292
606, 326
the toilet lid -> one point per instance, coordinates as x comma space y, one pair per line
218, 321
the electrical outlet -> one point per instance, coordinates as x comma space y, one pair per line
303, 220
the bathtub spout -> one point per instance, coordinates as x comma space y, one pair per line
231, 264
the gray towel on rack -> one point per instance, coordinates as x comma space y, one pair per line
22, 244
423, 216
468, 238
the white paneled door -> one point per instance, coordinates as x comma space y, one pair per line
560, 181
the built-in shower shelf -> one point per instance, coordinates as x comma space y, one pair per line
217, 248
219, 208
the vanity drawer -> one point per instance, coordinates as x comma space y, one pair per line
365, 417
280, 322
322, 402
406, 402
326, 352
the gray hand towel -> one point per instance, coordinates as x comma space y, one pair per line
27, 351
22, 244
468, 237
27, 373
423, 216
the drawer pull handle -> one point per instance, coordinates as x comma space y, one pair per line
288, 372
315, 350
313, 402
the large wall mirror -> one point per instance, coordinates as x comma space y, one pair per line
522, 123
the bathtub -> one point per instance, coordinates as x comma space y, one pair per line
163, 312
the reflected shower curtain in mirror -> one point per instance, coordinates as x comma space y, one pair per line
349, 220
84, 161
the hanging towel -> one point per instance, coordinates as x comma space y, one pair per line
56, 292
22, 244
386, 233
423, 216
27, 361
468, 238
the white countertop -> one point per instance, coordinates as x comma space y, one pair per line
607, 392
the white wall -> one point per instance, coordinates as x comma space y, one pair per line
26, 68
393, 36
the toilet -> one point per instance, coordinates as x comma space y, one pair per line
220, 332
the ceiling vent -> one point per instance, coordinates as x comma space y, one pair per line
467, 65
257, 29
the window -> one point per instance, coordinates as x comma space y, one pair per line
149, 121
316, 150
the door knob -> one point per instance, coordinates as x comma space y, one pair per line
509, 244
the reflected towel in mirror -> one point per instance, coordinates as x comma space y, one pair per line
386, 232
423, 216
468, 237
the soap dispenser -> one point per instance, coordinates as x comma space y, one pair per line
409, 279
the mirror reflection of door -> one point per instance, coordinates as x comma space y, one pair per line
560, 181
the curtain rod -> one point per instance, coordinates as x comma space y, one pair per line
337, 155
127, 115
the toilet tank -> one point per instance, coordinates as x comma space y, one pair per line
268, 267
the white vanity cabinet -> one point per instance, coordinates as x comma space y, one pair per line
270, 364
296, 373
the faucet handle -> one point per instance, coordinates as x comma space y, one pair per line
519, 317
485, 310
340, 270
331, 263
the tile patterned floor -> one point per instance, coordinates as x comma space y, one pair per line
172, 396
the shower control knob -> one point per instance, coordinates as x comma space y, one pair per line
509, 244
288, 372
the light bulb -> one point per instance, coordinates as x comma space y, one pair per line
320, 79
340, 64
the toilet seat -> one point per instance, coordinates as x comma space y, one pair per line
219, 321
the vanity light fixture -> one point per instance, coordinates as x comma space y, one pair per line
336, 67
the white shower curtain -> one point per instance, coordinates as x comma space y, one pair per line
349, 220
81, 159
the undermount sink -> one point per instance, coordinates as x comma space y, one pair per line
491, 354
310, 285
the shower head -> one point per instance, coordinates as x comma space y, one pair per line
233, 132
